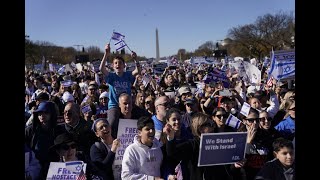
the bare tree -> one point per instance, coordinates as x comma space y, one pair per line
257, 39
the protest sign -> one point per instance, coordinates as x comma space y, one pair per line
59, 170
222, 148
245, 109
127, 129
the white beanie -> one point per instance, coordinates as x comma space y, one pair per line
67, 97
103, 95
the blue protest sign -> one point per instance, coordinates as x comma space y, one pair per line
222, 148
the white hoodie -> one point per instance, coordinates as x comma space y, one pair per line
140, 161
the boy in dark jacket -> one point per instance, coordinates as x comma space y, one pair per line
282, 167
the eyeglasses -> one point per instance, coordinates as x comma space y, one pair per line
265, 118
252, 119
222, 115
66, 147
166, 104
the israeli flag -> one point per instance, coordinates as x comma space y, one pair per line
74, 166
117, 36
86, 109
282, 64
120, 45
233, 121
62, 69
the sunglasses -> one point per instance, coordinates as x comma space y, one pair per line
67, 147
252, 119
189, 104
265, 118
208, 124
220, 115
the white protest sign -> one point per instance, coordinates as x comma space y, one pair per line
127, 129
253, 73
58, 170
96, 65
146, 79
79, 67
68, 68
245, 109
51, 68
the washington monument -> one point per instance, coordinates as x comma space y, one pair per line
157, 47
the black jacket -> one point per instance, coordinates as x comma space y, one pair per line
274, 170
103, 159
190, 150
82, 134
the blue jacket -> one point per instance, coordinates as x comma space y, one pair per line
286, 128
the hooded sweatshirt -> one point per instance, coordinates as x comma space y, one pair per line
140, 161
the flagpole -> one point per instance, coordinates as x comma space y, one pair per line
111, 37
127, 46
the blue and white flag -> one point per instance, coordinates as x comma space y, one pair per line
62, 69
217, 75
86, 109
67, 83
120, 45
282, 64
117, 36
233, 121
74, 166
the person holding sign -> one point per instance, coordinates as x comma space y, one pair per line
102, 153
66, 149
201, 123
143, 158
39, 136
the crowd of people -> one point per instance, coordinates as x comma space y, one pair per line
75, 116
